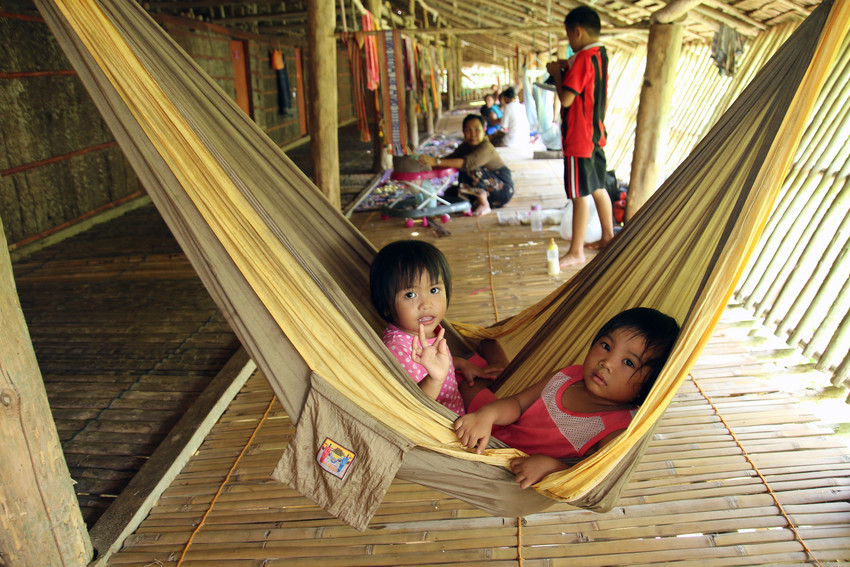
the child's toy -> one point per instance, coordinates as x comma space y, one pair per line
426, 187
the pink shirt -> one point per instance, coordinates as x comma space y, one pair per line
401, 345
548, 428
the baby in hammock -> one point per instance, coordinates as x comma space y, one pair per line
411, 285
581, 407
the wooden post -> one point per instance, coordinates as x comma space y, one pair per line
430, 111
324, 122
450, 71
656, 95
410, 97
40, 519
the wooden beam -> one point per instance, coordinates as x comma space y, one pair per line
135, 502
656, 95
278, 16
503, 30
673, 11
322, 98
40, 518
193, 4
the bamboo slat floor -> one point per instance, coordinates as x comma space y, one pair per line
733, 444
694, 499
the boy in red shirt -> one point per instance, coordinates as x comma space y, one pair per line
582, 84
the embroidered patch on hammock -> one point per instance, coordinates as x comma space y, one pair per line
334, 458
340, 457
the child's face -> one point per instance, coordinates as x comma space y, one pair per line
424, 302
614, 368
576, 38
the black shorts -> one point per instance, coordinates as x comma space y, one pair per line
583, 176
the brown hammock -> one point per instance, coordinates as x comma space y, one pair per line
291, 274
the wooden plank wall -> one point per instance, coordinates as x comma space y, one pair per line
61, 161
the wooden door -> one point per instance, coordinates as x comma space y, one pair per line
240, 75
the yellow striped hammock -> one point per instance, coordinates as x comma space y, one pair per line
290, 273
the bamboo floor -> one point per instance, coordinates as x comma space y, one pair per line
733, 447
126, 338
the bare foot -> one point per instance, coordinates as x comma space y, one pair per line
599, 244
568, 260
482, 209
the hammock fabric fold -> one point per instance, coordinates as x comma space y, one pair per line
291, 274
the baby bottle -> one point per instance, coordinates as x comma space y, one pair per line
553, 264
536, 218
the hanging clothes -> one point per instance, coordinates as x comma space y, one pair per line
391, 57
284, 94
726, 49
370, 44
355, 62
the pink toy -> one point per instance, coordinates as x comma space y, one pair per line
445, 218
409, 223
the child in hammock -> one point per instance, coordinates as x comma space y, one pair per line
411, 285
581, 407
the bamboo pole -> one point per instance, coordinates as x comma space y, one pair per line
663, 49
323, 103
798, 293
40, 519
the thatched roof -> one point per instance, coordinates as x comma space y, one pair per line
492, 30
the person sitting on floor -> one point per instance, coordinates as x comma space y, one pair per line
517, 131
484, 178
492, 114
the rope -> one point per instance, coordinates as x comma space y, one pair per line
225, 481
757, 471
519, 540
490, 263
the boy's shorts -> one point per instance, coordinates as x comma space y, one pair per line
583, 176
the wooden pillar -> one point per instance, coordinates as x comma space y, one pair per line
324, 123
459, 63
412, 120
410, 98
430, 111
450, 71
40, 519
656, 95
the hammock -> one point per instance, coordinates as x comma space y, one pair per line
290, 273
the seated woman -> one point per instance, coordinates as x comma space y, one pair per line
484, 178
514, 122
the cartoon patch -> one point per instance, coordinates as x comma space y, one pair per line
335, 458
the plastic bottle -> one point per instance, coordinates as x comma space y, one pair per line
536, 218
553, 263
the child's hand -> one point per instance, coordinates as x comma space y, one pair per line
435, 358
531, 470
471, 372
473, 431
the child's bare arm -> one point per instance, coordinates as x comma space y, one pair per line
471, 372
473, 429
566, 96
